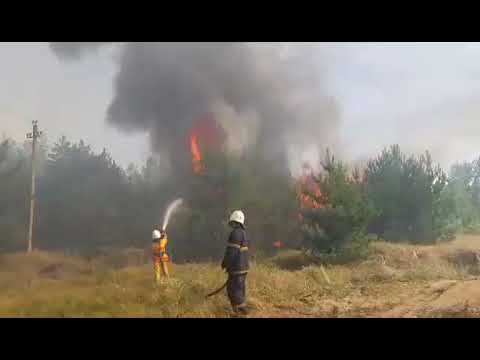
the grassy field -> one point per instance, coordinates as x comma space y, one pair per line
394, 281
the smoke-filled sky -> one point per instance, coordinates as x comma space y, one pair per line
354, 97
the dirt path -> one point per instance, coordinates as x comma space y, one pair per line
445, 298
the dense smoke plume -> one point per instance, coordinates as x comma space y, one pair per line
263, 94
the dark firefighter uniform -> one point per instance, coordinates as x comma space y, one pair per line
236, 264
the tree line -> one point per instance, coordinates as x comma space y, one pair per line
86, 201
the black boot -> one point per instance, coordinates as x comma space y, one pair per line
240, 309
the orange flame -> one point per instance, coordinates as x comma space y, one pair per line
196, 154
205, 131
278, 245
307, 201
308, 184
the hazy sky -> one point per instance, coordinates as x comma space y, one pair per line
420, 95
66, 98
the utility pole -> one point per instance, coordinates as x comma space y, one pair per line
34, 135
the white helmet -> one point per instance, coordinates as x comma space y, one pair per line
156, 234
238, 216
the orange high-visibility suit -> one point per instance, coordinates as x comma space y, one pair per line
160, 257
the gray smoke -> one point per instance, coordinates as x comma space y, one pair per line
73, 50
162, 87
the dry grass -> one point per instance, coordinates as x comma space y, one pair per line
289, 285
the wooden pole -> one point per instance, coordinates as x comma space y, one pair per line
33, 135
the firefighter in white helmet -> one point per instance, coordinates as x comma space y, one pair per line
236, 262
160, 256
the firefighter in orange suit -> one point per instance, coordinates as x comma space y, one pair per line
160, 257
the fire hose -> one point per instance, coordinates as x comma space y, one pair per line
220, 288
217, 291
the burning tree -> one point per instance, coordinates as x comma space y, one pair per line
221, 182
337, 221
205, 136
199, 232
308, 187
